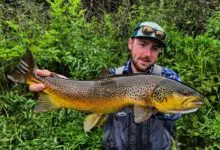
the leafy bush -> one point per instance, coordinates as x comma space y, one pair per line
196, 60
63, 40
213, 26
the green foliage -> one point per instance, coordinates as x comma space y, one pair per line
213, 26
197, 61
23, 129
72, 43
63, 40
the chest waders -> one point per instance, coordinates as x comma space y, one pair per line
121, 133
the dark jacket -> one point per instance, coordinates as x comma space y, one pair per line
122, 133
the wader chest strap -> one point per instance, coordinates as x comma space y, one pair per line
119, 70
157, 70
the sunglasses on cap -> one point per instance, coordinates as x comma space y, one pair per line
149, 30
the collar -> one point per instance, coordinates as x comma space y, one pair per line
128, 69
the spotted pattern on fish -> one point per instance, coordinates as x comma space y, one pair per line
161, 93
109, 88
68, 87
137, 90
140, 91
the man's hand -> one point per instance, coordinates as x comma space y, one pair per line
40, 87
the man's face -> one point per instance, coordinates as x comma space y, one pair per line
144, 53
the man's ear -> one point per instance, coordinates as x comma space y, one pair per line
161, 52
130, 42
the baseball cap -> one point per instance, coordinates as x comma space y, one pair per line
149, 30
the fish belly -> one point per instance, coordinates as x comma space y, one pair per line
99, 105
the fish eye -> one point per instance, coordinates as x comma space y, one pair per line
186, 93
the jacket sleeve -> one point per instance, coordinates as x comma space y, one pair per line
168, 116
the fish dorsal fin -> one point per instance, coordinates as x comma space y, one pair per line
107, 82
141, 113
45, 104
104, 73
91, 121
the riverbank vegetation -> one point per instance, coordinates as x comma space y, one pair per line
79, 38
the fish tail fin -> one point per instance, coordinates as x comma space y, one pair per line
24, 69
45, 104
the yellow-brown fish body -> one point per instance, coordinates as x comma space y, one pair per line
101, 96
148, 93
111, 94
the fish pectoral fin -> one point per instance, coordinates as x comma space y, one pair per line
45, 104
91, 121
142, 113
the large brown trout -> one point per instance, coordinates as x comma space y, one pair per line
147, 93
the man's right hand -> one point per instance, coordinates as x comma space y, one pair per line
39, 87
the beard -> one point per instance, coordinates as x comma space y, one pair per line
141, 64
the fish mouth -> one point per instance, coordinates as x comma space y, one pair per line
180, 104
184, 111
178, 111
192, 101
196, 103
191, 105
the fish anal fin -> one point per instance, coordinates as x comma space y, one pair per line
142, 113
91, 121
101, 121
45, 104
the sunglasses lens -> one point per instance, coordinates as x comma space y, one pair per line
160, 35
147, 29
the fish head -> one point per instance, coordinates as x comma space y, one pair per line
174, 97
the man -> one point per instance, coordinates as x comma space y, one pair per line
145, 44
120, 130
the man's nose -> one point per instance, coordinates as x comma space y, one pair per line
147, 51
